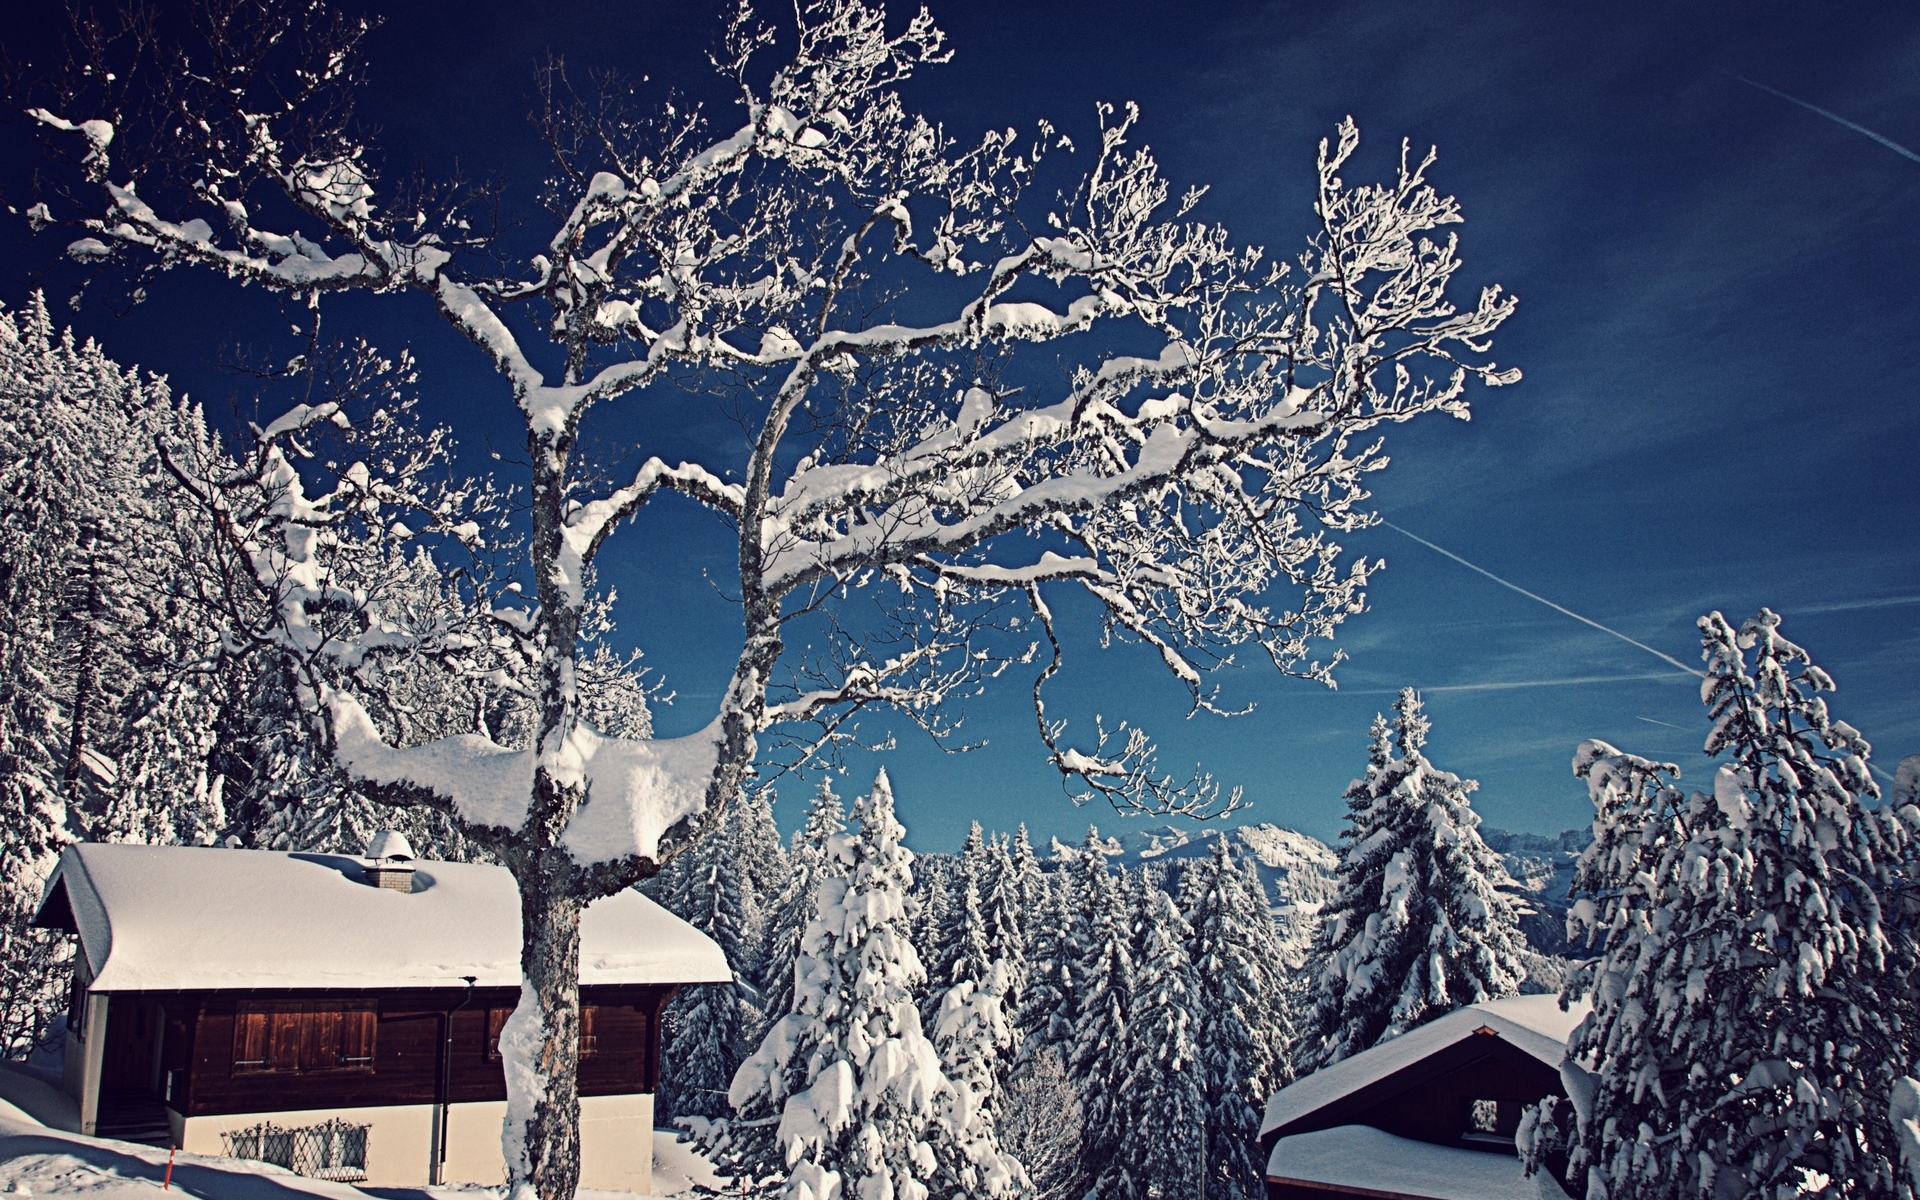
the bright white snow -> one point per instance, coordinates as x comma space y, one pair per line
1358, 1156
163, 917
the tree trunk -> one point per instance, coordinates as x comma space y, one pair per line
542, 1061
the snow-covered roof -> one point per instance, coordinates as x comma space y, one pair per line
156, 918
1534, 1024
1362, 1158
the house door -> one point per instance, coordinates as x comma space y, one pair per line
132, 1056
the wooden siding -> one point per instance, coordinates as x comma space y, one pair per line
200, 1076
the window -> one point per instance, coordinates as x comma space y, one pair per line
1491, 1123
497, 1020
299, 1036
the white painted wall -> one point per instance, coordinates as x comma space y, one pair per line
399, 1141
81, 1062
616, 1140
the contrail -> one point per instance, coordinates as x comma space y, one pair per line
1836, 118
1854, 605
1668, 724
1663, 657
1507, 685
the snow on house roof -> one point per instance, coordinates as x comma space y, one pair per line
1534, 1024
161, 918
1364, 1159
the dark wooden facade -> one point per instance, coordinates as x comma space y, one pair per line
1467, 1095
223, 1052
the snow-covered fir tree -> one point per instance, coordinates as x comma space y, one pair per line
930, 910
706, 1025
1103, 965
1242, 1030
847, 1079
1418, 927
763, 871
975, 1039
1160, 1110
1742, 1038
954, 931
1045, 1016
1016, 892
808, 862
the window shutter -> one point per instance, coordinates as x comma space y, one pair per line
319, 1036
250, 1041
357, 1024
496, 1021
284, 1030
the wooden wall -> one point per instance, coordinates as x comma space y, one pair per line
200, 1078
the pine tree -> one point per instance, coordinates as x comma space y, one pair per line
706, 1024
847, 1078
975, 1038
1019, 894
1742, 1036
1046, 1013
960, 949
1162, 1116
808, 862
1418, 927
1103, 974
1003, 904
763, 868
1242, 1029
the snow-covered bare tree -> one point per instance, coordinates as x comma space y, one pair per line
1040, 1125
1418, 927
1742, 1039
867, 283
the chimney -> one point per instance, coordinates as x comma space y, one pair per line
390, 861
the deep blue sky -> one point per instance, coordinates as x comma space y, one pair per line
1718, 308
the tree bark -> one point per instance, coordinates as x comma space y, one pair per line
549, 1130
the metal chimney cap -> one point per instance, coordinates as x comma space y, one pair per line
389, 844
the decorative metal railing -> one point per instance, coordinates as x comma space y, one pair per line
332, 1150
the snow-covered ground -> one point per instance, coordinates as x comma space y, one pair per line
37, 1161
678, 1167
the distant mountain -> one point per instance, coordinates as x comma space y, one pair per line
1298, 870
1542, 870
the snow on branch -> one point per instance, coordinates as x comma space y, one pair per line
1187, 440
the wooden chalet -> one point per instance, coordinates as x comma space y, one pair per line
1429, 1115
342, 1016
